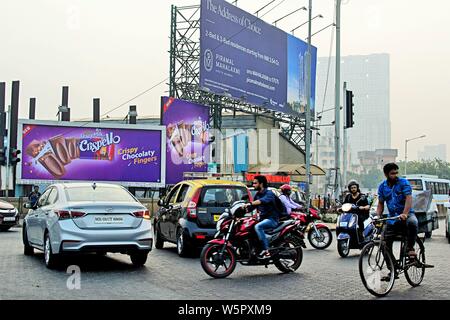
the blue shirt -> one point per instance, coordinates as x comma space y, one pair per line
395, 197
267, 209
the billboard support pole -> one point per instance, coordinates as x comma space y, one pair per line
7, 155
308, 113
337, 99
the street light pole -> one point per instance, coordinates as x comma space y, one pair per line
308, 112
337, 106
406, 150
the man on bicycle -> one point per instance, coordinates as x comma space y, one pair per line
397, 194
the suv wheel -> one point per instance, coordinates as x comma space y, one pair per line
4, 228
139, 258
51, 260
27, 249
182, 246
159, 242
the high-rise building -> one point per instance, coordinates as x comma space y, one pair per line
433, 152
368, 77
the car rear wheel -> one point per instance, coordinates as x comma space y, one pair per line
139, 258
27, 249
51, 260
159, 242
183, 248
4, 228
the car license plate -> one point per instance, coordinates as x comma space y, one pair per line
216, 217
9, 219
343, 224
108, 220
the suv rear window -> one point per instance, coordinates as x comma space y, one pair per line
100, 193
222, 196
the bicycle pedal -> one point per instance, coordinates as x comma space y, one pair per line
427, 266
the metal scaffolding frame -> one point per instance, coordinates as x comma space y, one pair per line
185, 80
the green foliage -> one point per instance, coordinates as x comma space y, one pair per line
374, 177
434, 167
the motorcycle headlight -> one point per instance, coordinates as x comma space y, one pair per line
352, 222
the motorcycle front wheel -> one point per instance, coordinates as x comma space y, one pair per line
216, 263
321, 239
343, 248
291, 257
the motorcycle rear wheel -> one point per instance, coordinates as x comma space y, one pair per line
296, 262
211, 261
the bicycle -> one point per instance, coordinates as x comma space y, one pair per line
381, 269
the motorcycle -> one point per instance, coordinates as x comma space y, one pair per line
236, 241
319, 235
347, 231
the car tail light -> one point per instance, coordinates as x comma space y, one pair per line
66, 214
77, 214
192, 206
145, 214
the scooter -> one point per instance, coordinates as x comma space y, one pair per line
347, 230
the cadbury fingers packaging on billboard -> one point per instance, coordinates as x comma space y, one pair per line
69, 152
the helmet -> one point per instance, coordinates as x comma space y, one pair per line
285, 187
352, 183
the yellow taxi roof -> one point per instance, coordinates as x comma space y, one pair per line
205, 182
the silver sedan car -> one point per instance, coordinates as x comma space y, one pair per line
85, 217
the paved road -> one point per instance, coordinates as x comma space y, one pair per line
323, 275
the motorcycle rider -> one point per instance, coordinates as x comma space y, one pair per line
268, 214
285, 197
356, 198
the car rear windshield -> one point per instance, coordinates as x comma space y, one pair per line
222, 196
110, 194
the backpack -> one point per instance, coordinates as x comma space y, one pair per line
279, 205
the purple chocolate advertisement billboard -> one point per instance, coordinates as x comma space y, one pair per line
187, 137
129, 155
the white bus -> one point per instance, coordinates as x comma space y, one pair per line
439, 188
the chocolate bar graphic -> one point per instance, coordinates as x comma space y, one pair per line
34, 148
51, 162
73, 148
58, 144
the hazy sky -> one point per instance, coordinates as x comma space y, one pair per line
115, 49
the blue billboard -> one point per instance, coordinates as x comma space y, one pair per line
253, 60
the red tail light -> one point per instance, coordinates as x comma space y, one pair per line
145, 214
192, 206
65, 214
62, 214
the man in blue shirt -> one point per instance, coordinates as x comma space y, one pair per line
397, 194
268, 214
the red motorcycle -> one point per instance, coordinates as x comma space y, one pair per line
236, 241
319, 235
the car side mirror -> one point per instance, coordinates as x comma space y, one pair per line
161, 203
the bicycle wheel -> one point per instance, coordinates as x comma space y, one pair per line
376, 268
415, 269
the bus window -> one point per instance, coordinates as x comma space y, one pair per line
442, 188
416, 184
